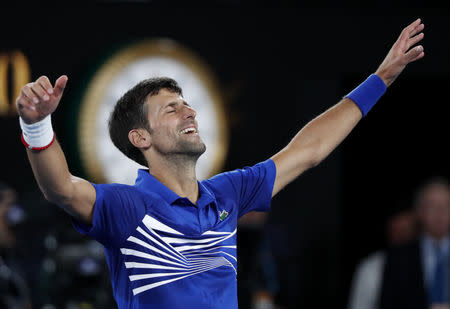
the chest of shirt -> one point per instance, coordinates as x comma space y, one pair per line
179, 240
194, 220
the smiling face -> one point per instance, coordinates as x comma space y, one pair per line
173, 127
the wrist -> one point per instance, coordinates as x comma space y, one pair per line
38, 135
387, 80
367, 93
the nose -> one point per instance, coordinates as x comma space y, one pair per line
189, 112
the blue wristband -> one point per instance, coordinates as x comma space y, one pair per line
367, 93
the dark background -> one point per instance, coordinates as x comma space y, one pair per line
278, 67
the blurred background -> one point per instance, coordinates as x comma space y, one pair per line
275, 68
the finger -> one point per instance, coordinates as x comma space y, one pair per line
413, 25
40, 92
406, 33
25, 103
421, 55
45, 83
414, 53
29, 94
417, 29
60, 85
412, 41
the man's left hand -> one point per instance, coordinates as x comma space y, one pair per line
401, 53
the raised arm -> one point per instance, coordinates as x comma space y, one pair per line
35, 104
315, 141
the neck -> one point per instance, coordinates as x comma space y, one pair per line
177, 172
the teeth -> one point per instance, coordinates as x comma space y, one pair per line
189, 130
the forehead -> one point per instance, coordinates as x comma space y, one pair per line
160, 100
435, 196
437, 191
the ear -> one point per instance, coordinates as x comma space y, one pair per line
140, 138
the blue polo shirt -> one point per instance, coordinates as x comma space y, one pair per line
163, 251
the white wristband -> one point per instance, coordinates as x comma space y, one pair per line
38, 135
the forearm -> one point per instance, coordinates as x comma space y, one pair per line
315, 141
52, 173
324, 133
35, 104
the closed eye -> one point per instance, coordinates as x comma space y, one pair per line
173, 106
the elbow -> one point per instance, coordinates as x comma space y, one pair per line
314, 157
318, 152
314, 162
58, 199
59, 196
296, 159
317, 157
310, 158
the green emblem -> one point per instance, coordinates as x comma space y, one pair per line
223, 215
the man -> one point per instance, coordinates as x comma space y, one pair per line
417, 275
170, 241
366, 282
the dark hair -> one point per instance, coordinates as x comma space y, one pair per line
130, 112
431, 181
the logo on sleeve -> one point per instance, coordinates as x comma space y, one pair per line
223, 215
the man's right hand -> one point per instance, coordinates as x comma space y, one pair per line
75, 195
39, 99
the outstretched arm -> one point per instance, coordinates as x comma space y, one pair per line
35, 104
315, 141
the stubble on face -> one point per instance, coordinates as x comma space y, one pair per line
190, 148
166, 130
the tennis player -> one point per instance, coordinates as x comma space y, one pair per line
170, 240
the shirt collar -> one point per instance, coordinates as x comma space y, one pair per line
148, 183
429, 243
206, 196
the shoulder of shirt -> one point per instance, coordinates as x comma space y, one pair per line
223, 183
232, 175
116, 188
227, 174
216, 180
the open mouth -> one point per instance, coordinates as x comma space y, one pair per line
190, 130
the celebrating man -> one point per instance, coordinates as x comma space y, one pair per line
170, 240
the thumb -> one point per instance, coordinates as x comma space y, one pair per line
60, 84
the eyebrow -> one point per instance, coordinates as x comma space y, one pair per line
174, 103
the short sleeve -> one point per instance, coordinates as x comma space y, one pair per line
116, 212
251, 186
